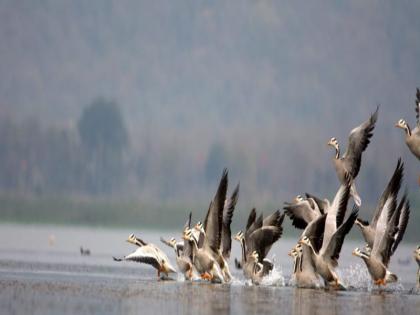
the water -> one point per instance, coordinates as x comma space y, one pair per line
42, 272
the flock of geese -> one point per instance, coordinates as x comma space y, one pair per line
205, 248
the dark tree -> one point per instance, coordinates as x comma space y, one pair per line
104, 138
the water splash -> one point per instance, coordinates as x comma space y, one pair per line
357, 278
274, 278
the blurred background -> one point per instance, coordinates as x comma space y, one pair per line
124, 113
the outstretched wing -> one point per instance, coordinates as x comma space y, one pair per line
228, 209
336, 213
314, 231
392, 188
404, 215
300, 213
359, 139
214, 218
262, 239
322, 204
334, 247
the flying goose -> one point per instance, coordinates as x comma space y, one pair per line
412, 136
148, 254
350, 162
325, 255
417, 259
392, 189
389, 231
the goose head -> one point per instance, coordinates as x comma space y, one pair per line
357, 252
298, 199
239, 236
293, 253
401, 124
199, 227
172, 241
299, 249
187, 235
254, 255
305, 240
333, 143
132, 239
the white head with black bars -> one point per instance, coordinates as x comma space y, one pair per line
357, 252
305, 240
187, 235
172, 241
299, 199
199, 227
239, 236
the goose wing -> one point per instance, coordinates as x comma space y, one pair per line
314, 231
333, 249
273, 219
258, 223
262, 239
144, 254
228, 209
359, 139
403, 211
391, 189
385, 232
336, 213
321, 203
188, 251
214, 219
301, 213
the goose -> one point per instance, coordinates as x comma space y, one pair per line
203, 260
350, 162
183, 253
325, 256
368, 230
257, 269
302, 211
216, 233
389, 232
183, 259
417, 259
412, 136
210, 236
148, 254
259, 236
305, 275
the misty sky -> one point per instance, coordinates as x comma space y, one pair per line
262, 75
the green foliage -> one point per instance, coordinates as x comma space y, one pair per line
101, 127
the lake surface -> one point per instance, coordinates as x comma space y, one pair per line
42, 272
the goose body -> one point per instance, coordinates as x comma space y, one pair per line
148, 254
350, 162
183, 257
304, 272
389, 231
325, 257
